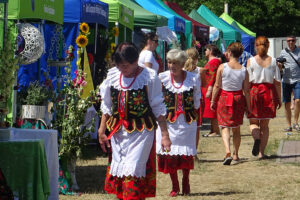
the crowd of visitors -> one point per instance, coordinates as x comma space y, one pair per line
146, 112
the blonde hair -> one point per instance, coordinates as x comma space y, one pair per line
177, 55
193, 55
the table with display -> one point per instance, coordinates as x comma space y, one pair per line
23, 163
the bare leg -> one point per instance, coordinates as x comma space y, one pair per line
264, 131
214, 126
226, 139
296, 110
236, 142
288, 113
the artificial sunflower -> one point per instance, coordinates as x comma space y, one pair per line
82, 41
112, 47
84, 28
115, 31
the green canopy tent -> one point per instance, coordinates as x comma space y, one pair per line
143, 18
229, 34
236, 24
123, 17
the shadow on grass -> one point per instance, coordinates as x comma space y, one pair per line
91, 178
91, 152
216, 193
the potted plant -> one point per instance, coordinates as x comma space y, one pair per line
34, 99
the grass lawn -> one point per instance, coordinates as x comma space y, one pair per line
251, 179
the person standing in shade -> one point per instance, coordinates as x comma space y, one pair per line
211, 53
132, 103
233, 81
182, 95
149, 45
291, 81
265, 93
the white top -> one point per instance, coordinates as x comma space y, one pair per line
232, 79
190, 81
146, 77
130, 151
259, 74
146, 56
197, 72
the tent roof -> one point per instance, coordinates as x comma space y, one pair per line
194, 15
198, 28
120, 13
89, 11
236, 24
229, 34
38, 9
144, 18
174, 23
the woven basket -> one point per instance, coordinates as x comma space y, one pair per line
33, 112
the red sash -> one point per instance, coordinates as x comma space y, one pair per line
229, 98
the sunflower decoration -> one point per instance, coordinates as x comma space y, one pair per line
82, 41
84, 28
115, 31
112, 47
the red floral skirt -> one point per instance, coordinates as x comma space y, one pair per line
170, 164
207, 112
231, 108
263, 101
129, 188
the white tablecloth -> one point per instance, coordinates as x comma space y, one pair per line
51, 148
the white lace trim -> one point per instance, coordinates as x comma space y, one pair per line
105, 109
122, 169
179, 150
144, 78
188, 82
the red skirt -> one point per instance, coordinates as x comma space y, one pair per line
231, 108
129, 188
170, 164
207, 112
263, 101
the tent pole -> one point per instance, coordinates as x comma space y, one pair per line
95, 50
225, 7
125, 34
116, 38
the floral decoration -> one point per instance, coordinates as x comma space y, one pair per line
82, 41
84, 28
115, 31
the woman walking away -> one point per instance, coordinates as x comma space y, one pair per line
233, 80
265, 94
211, 53
191, 66
147, 58
132, 102
182, 95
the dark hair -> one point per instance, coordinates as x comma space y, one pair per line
147, 36
213, 48
236, 48
291, 36
125, 51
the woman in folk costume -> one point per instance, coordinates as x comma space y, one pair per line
265, 94
132, 102
182, 95
211, 53
233, 81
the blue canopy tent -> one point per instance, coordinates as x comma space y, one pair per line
89, 11
174, 23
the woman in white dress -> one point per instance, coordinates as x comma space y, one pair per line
146, 58
182, 95
132, 102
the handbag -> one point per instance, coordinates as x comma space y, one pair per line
288, 51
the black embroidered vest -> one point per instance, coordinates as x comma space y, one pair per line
137, 114
170, 101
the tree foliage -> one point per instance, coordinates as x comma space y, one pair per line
272, 18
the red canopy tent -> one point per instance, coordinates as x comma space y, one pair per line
199, 30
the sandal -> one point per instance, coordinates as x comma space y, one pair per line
289, 129
296, 127
227, 159
255, 149
173, 193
